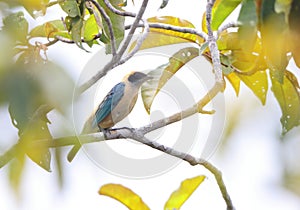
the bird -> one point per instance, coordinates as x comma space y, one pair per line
116, 105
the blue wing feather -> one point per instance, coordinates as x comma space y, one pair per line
110, 101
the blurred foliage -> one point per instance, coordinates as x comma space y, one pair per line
133, 201
257, 52
32, 86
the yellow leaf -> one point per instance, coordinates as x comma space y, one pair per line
229, 41
160, 37
35, 7
258, 83
185, 190
124, 195
234, 81
274, 33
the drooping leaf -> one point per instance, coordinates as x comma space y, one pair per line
70, 7
294, 26
23, 95
234, 81
288, 97
185, 190
123, 195
76, 32
258, 84
17, 26
48, 29
37, 129
160, 37
163, 73
247, 33
118, 22
274, 35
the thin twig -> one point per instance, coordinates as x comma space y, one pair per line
133, 28
118, 12
138, 43
226, 26
174, 28
115, 60
109, 25
69, 41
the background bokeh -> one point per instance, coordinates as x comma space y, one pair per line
260, 168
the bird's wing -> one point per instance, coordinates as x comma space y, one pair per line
110, 101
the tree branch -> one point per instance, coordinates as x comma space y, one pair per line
139, 136
226, 26
184, 114
138, 43
116, 58
133, 28
173, 28
118, 12
215, 54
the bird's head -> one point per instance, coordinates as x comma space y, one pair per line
137, 78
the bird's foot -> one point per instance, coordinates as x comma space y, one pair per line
105, 132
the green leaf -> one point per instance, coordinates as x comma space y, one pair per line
222, 9
274, 39
163, 73
124, 195
90, 28
70, 7
226, 64
48, 29
17, 26
248, 31
118, 22
185, 190
294, 26
36, 130
288, 97
23, 94
76, 32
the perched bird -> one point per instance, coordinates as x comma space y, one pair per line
116, 105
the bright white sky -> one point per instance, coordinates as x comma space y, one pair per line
250, 163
